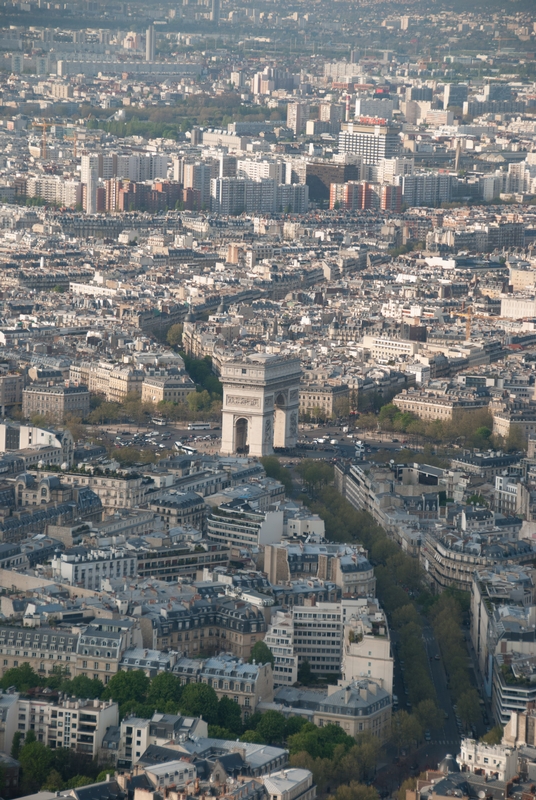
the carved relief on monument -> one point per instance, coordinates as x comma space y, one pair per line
268, 430
293, 426
294, 393
269, 401
237, 400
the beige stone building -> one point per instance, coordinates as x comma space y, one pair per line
322, 397
432, 405
167, 389
123, 382
246, 684
115, 491
56, 403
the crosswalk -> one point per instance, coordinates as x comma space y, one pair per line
446, 741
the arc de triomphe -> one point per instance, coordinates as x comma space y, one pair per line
260, 403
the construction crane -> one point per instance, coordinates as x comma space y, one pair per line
43, 126
470, 316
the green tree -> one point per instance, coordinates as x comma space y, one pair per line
293, 725
217, 732
253, 737
22, 678
469, 707
78, 781
16, 744
261, 654
174, 335
493, 736
36, 761
305, 674
83, 687
229, 715
355, 791
125, 686
200, 700
103, 774
406, 730
54, 782
165, 688
272, 727
30, 737
429, 715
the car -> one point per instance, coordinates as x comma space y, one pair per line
437, 657
427, 736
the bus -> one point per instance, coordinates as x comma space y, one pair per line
199, 426
185, 448
158, 421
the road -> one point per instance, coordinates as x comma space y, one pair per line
446, 740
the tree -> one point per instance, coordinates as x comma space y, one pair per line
165, 688
469, 707
272, 727
16, 744
293, 725
83, 687
405, 730
355, 791
253, 737
30, 737
229, 715
22, 678
174, 335
54, 782
429, 715
493, 736
36, 761
261, 654
217, 732
125, 686
200, 700
305, 675
103, 774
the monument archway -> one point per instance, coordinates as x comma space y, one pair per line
260, 403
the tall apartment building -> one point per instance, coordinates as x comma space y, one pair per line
150, 43
55, 402
238, 523
373, 140
79, 725
367, 645
280, 639
198, 177
455, 94
297, 116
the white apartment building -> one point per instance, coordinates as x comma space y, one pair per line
367, 645
280, 639
79, 725
318, 636
493, 760
386, 349
257, 170
89, 569
290, 784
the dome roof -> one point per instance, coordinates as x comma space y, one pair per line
448, 764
